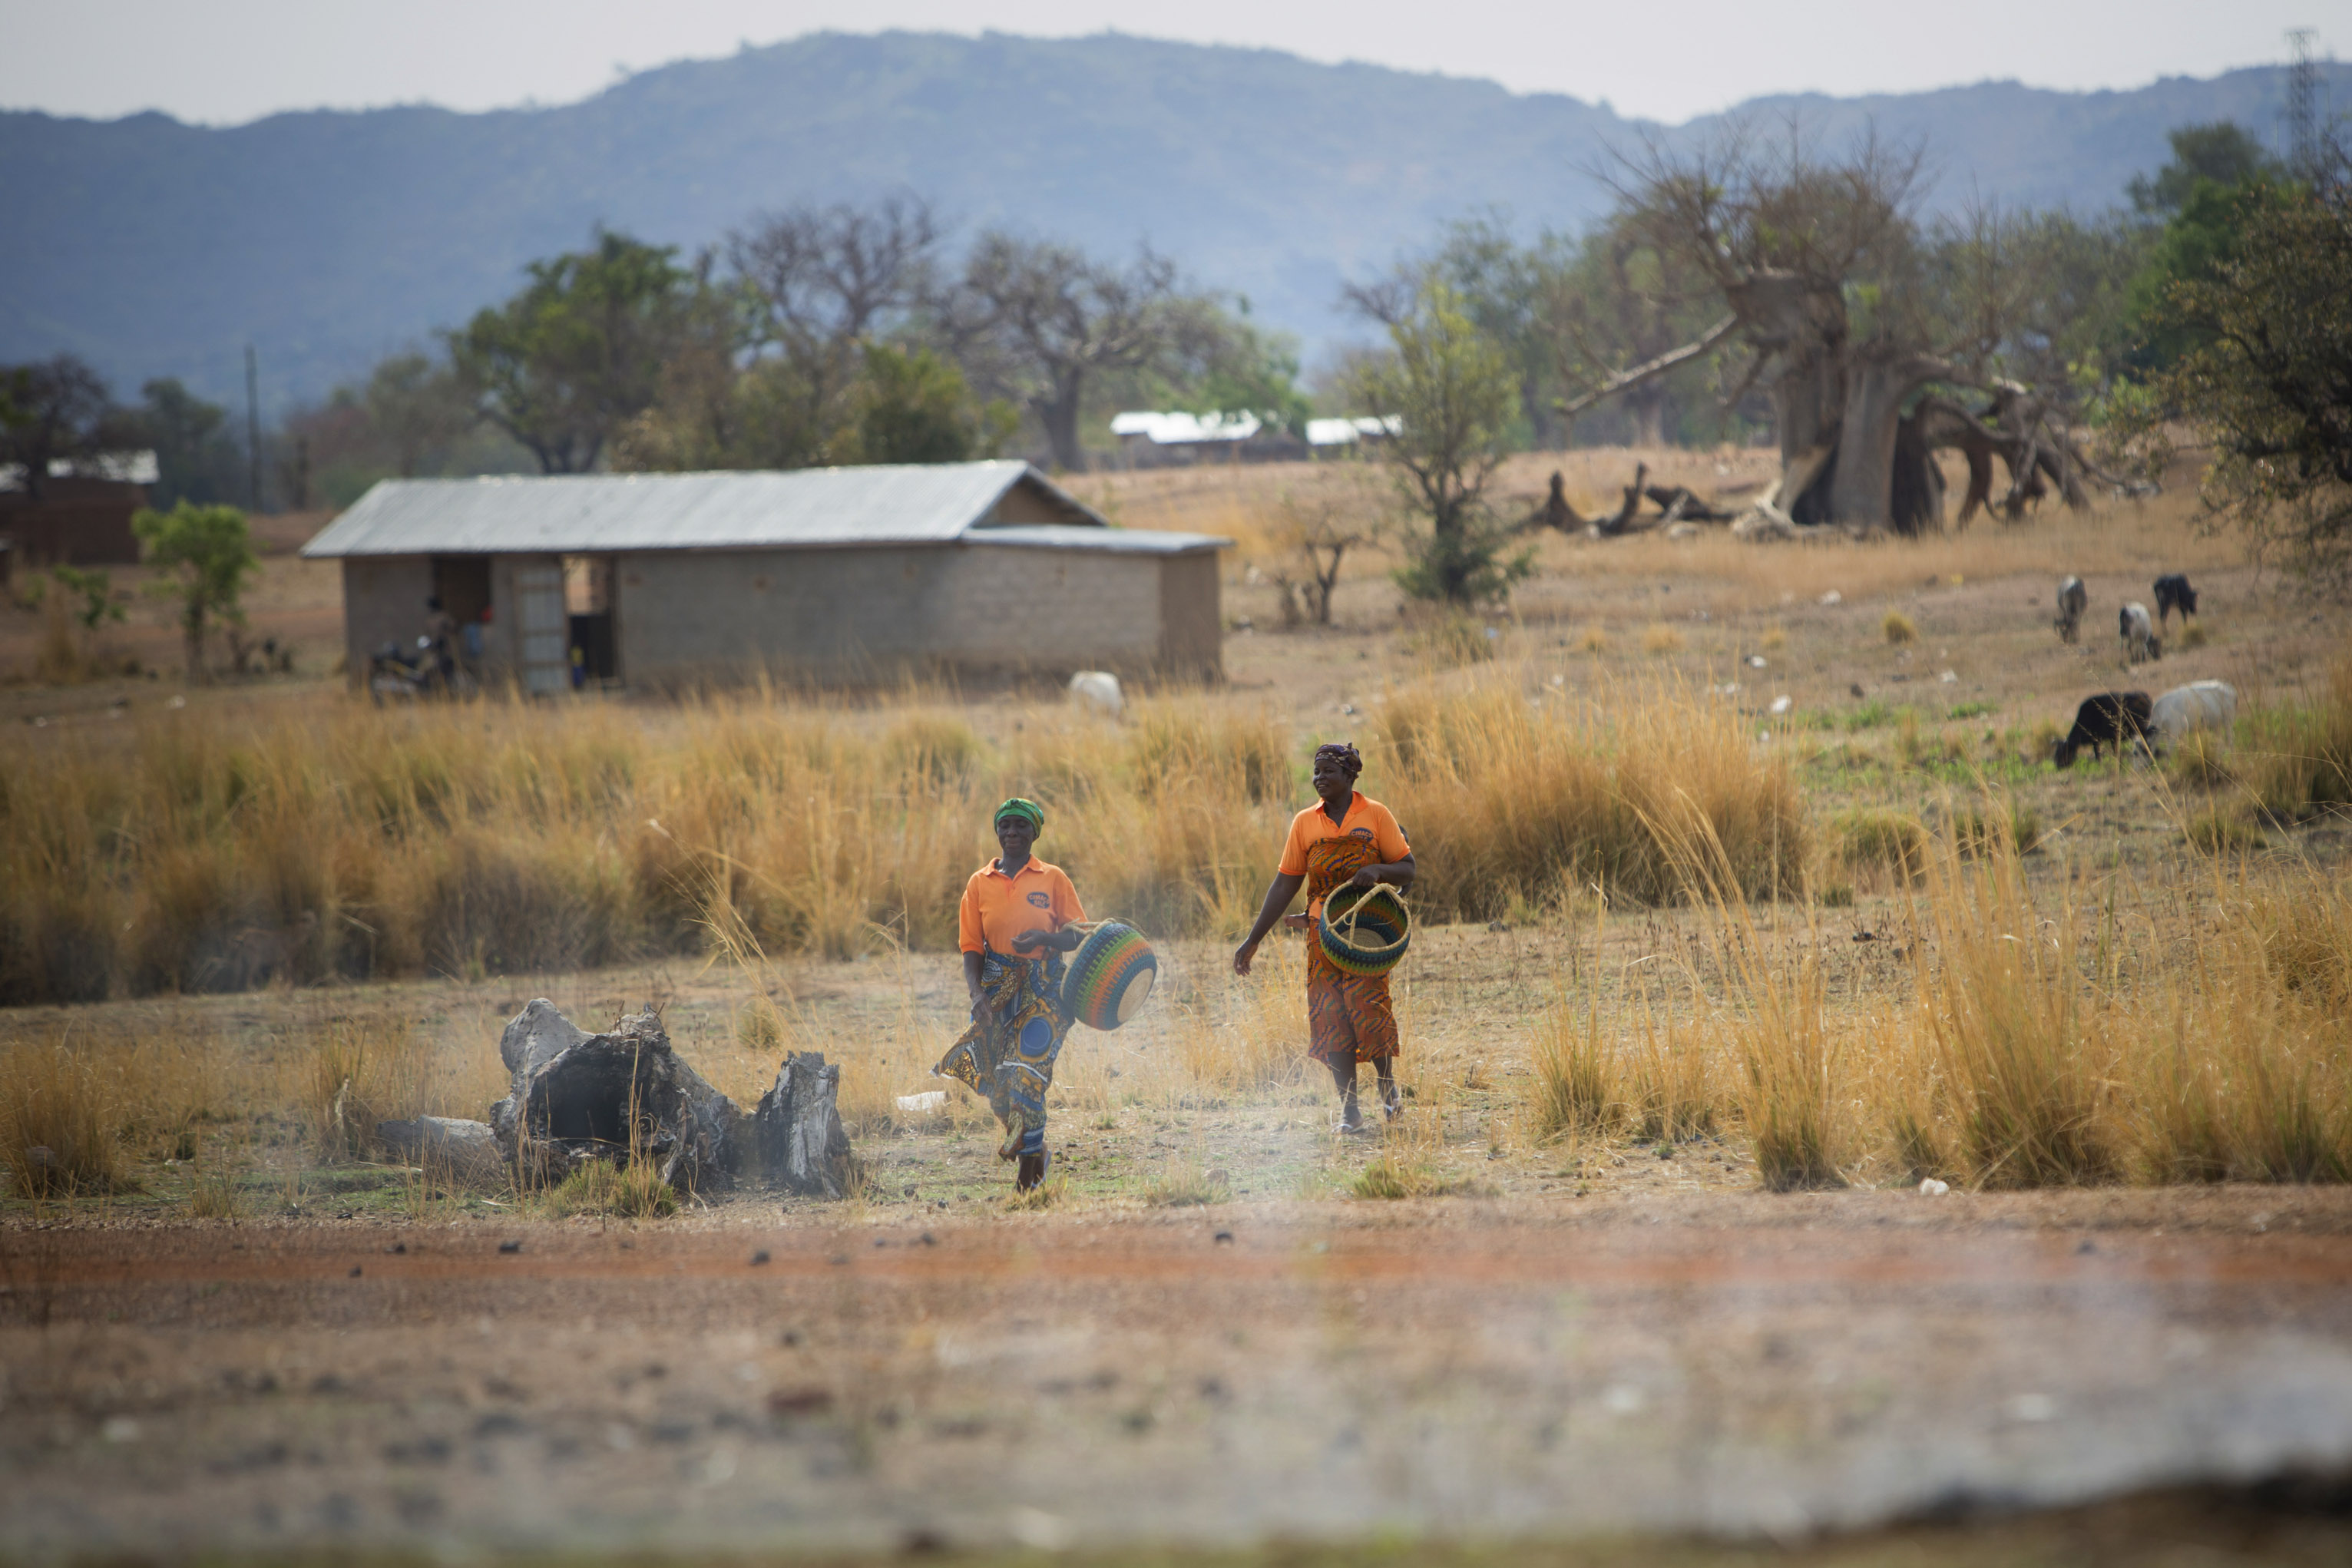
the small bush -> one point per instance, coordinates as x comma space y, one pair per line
1980, 832
1775, 639
56, 1129
214, 1193
1660, 637
1576, 1088
1450, 640
1389, 1178
630, 1191
1899, 628
1593, 639
2193, 636
1883, 841
2217, 831
1186, 1186
2202, 760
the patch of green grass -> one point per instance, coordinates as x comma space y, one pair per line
1871, 715
1976, 710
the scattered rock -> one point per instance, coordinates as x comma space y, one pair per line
510, 1247
759, 1257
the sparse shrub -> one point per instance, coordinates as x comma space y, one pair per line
1834, 894
1899, 628
625, 1190
1576, 1087
2202, 760
1186, 1184
1449, 639
1393, 1176
362, 1072
2193, 635
1775, 639
213, 1192
1979, 832
1883, 841
2216, 831
1593, 639
58, 1125
1660, 637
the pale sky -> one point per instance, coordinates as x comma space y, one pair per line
227, 61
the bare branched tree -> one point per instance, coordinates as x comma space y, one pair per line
1825, 281
1037, 322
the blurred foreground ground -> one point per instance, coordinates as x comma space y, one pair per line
1456, 1373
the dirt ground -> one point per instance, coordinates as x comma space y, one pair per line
1738, 1366
1590, 1343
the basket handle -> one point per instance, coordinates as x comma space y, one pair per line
1356, 908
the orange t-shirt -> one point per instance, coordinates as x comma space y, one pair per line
998, 907
1366, 819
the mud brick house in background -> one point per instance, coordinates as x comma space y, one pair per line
82, 517
838, 575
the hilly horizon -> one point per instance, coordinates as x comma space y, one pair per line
329, 238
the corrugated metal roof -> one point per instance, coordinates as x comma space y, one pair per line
928, 503
1116, 540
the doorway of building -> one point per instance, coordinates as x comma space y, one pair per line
462, 584
588, 603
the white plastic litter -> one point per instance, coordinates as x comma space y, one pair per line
928, 1103
1932, 1188
1833, 597
1755, 661
1950, 677
1782, 704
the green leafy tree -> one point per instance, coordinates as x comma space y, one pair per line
196, 456
2269, 375
210, 549
53, 411
565, 364
1452, 390
915, 407
2220, 152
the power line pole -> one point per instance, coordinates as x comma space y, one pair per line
253, 423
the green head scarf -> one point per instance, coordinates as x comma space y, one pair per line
1028, 810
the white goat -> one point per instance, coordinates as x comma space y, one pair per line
2199, 705
2138, 633
1099, 689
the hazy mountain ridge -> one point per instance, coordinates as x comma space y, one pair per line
329, 238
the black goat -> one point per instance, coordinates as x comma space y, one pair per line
2110, 718
2173, 592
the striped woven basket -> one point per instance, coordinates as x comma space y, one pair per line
1110, 976
1366, 934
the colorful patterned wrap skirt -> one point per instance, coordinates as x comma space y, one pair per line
1008, 1054
1347, 1015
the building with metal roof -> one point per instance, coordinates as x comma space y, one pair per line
845, 575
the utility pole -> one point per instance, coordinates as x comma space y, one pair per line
2303, 106
253, 422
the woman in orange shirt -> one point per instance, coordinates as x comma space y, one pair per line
1348, 840
1012, 930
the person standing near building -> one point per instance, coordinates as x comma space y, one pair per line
1346, 840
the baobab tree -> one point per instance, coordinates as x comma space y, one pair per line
1825, 281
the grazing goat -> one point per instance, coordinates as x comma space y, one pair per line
2173, 592
2199, 705
2138, 633
2110, 718
2071, 600
1099, 690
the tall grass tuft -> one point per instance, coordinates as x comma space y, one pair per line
1513, 805
58, 1124
2029, 1078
